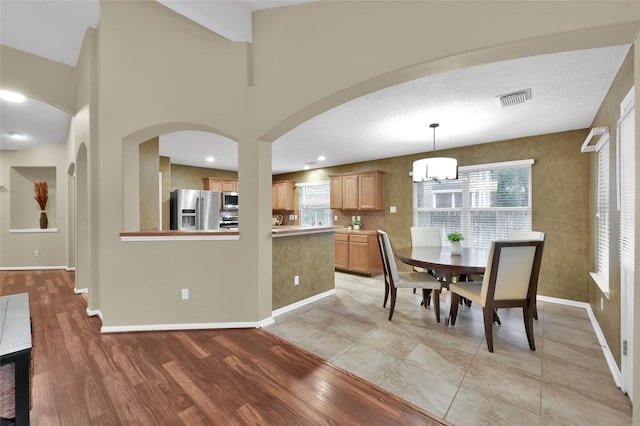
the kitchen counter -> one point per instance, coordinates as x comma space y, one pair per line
172, 235
286, 230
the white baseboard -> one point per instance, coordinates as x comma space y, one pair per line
80, 290
173, 327
302, 302
30, 268
611, 362
92, 313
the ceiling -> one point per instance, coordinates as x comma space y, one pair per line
566, 92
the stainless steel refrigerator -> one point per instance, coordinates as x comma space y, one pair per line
193, 210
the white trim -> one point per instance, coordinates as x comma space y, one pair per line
80, 290
180, 238
611, 362
317, 183
494, 166
628, 103
33, 230
70, 268
173, 327
94, 312
596, 131
602, 283
303, 302
30, 268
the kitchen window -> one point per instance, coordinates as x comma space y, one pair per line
485, 203
315, 198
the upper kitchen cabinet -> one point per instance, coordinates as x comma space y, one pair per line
358, 190
220, 185
282, 195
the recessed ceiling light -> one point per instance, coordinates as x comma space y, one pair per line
210, 159
16, 135
11, 96
321, 158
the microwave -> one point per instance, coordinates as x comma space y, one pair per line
229, 201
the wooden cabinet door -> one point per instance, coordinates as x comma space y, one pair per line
342, 251
212, 185
350, 192
359, 253
282, 195
370, 192
229, 186
336, 192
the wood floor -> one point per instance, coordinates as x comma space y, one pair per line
204, 377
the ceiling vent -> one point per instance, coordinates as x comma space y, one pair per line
514, 98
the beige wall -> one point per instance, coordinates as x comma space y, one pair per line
608, 115
149, 162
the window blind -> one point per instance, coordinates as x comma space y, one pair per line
315, 201
485, 203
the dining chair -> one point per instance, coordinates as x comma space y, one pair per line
510, 280
394, 279
427, 236
517, 234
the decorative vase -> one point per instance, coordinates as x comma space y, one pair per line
356, 227
456, 247
44, 221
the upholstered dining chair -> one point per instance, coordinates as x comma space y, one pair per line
517, 234
426, 236
510, 280
393, 279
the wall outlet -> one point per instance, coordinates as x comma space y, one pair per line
296, 280
335, 218
36, 253
290, 217
392, 209
185, 293
602, 304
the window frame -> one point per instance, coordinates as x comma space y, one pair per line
602, 220
301, 200
465, 210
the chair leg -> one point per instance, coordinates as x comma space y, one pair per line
535, 310
393, 301
528, 325
436, 303
488, 326
386, 293
455, 300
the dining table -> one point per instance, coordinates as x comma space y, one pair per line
472, 261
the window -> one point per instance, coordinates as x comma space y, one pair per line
485, 203
626, 180
601, 276
314, 203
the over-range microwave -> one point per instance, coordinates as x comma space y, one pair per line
229, 201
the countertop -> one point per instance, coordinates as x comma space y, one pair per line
222, 234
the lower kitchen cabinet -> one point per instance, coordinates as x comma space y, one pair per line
358, 251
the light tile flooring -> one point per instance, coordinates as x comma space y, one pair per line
448, 371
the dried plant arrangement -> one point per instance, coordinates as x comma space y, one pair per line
41, 194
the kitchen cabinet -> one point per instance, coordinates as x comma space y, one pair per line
357, 251
283, 195
357, 191
220, 185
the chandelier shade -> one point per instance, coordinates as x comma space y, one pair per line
435, 168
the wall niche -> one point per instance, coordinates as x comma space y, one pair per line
25, 211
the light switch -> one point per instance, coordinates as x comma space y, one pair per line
392, 209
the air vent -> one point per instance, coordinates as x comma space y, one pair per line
514, 98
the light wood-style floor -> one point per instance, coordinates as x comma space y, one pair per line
205, 377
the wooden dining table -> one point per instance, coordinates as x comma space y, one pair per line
472, 261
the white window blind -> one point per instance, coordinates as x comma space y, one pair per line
314, 203
485, 203
601, 276
626, 155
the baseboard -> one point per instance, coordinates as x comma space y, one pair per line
80, 290
30, 268
302, 302
174, 327
611, 362
92, 313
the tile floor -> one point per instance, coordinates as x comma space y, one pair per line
448, 370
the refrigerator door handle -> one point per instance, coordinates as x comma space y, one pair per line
198, 213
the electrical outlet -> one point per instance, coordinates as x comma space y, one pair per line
296, 280
36, 253
335, 218
185, 293
392, 209
602, 304
290, 217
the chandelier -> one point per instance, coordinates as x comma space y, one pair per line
435, 169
